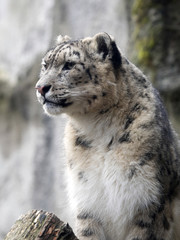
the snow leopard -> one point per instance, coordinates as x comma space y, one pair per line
122, 154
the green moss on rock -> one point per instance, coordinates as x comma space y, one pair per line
148, 31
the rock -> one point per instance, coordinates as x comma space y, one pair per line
40, 225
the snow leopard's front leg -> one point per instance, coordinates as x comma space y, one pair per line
156, 223
88, 227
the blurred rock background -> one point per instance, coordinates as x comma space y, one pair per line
31, 145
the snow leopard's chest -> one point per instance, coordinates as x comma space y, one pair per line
98, 183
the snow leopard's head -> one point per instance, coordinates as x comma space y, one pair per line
79, 76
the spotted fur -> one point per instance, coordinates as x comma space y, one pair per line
123, 166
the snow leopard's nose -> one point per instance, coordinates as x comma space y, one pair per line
43, 89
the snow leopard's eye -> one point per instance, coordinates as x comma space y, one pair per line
68, 65
44, 64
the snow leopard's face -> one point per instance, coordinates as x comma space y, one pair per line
79, 76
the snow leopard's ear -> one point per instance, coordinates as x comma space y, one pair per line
61, 39
105, 46
102, 43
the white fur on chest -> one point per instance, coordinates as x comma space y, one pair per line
102, 187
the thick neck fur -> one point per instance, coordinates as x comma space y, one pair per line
98, 127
